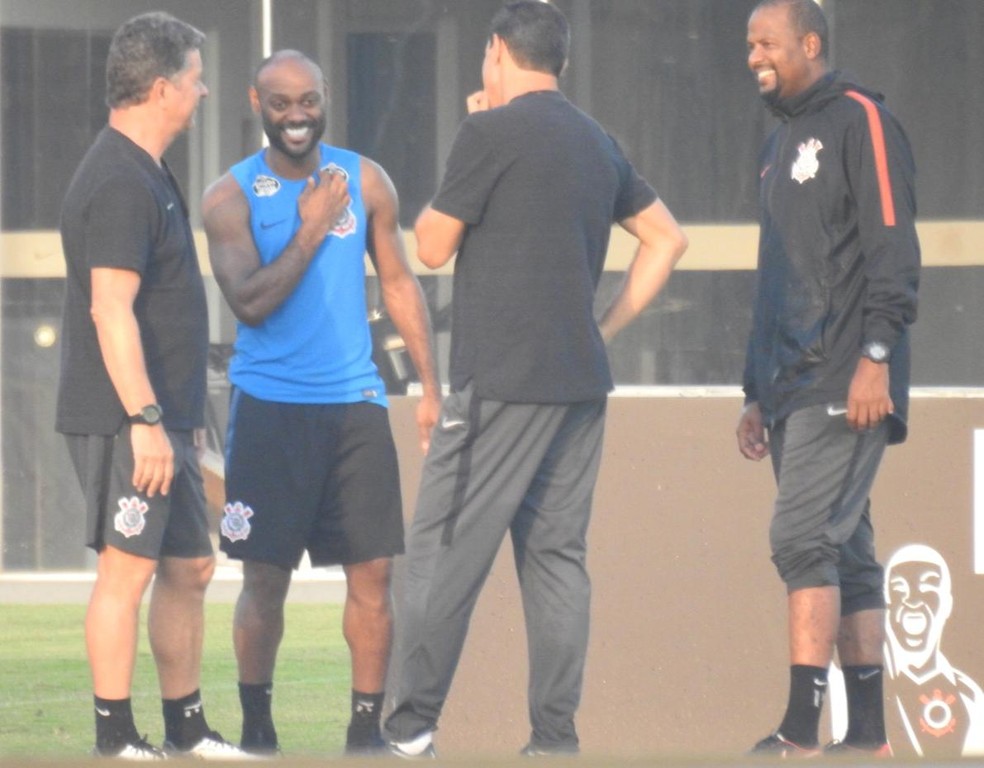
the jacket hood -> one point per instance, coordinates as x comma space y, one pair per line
824, 90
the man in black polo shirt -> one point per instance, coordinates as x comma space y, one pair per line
531, 191
132, 392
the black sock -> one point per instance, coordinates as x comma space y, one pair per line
807, 686
363, 730
257, 702
865, 706
114, 724
184, 720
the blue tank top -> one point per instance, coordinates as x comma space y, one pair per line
316, 347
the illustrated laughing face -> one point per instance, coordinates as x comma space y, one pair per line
919, 598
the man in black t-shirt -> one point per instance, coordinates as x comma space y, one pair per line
132, 391
530, 193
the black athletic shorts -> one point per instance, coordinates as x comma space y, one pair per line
175, 525
318, 477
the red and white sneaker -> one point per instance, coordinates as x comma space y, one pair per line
841, 749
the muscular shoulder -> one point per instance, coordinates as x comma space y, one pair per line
378, 191
223, 200
224, 189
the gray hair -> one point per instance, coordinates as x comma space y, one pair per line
146, 47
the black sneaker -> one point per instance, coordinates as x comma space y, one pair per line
262, 750
777, 745
364, 740
260, 741
137, 749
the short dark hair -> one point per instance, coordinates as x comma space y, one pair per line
807, 16
536, 34
146, 47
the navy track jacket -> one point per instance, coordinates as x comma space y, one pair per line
838, 262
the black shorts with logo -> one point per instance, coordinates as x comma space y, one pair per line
175, 525
318, 477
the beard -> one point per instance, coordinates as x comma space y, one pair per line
274, 132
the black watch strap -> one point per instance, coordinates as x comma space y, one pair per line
149, 414
876, 351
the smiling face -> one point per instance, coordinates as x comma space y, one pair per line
784, 62
290, 98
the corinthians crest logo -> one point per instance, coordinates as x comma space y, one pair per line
806, 165
131, 518
346, 224
235, 524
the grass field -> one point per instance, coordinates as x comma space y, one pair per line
46, 695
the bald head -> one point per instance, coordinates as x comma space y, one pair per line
286, 57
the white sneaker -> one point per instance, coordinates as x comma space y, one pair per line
211, 747
419, 748
140, 749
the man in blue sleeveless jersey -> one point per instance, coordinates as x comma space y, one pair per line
310, 461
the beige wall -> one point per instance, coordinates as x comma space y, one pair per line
687, 653
958, 243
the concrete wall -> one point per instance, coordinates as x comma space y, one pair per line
688, 647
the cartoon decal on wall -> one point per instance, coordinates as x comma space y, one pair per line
932, 708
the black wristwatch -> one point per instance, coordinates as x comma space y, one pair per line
876, 352
149, 414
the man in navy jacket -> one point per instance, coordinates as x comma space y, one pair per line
827, 372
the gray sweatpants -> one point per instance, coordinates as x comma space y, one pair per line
821, 532
494, 467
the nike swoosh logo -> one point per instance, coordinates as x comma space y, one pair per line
269, 224
869, 674
447, 423
836, 410
819, 683
102, 712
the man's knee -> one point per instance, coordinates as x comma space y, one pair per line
123, 574
186, 573
369, 584
862, 590
805, 565
265, 585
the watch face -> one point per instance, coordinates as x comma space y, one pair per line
876, 351
150, 414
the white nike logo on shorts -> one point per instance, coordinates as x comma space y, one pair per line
447, 423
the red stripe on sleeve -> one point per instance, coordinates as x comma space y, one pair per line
881, 157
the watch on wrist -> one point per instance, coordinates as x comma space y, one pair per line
149, 414
875, 351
